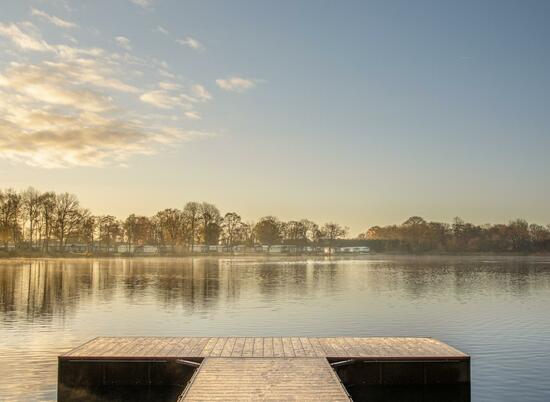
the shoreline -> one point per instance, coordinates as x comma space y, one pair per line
369, 256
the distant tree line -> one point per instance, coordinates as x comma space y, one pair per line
416, 235
47, 222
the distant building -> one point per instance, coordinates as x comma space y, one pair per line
9, 246
281, 249
217, 249
77, 247
102, 248
347, 250
240, 249
125, 248
356, 249
199, 248
147, 249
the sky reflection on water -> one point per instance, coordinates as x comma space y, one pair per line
493, 308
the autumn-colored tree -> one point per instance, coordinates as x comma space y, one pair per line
172, 226
268, 231
10, 209
31, 217
232, 226
109, 230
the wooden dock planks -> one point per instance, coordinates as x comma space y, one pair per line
261, 379
375, 348
262, 368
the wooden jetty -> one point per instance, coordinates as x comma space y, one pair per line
281, 379
259, 368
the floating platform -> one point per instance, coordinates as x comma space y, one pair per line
257, 368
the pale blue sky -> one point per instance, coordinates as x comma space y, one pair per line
361, 112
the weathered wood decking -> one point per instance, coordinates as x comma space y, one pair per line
265, 379
144, 348
259, 368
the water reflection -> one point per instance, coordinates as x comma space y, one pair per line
493, 308
50, 288
432, 393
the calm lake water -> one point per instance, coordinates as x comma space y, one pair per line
496, 309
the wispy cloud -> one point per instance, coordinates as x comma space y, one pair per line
69, 143
142, 3
236, 84
170, 86
163, 99
90, 71
170, 96
124, 42
201, 93
165, 73
61, 23
162, 30
47, 85
24, 36
192, 115
191, 43
187, 41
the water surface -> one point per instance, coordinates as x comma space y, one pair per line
495, 308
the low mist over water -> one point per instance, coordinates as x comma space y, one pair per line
494, 308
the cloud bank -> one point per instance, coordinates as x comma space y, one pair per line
69, 106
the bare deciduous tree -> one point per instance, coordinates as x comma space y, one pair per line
191, 212
232, 227
31, 205
46, 220
332, 231
109, 230
171, 224
210, 218
66, 216
10, 208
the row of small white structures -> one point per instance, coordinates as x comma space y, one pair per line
275, 249
206, 249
